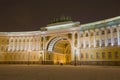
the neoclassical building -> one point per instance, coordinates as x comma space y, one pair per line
66, 42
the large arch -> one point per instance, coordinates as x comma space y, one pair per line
60, 48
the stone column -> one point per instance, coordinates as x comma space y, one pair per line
44, 56
73, 46
100, 39
25, 44
78, 45
106, 38
118, 35
13, 45
17, 44
112, 39
94, 39
21, 44
89, 39
84, 41
9, 47
37, 43
29, 44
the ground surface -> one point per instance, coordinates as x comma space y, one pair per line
57, 72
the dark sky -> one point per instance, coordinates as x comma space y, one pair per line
30, 15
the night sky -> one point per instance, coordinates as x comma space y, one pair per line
30, 15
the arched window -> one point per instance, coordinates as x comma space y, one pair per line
91, 33
103, 32
108, 31
114, 30
86, 35
76, 35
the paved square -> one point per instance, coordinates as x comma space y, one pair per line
57, 72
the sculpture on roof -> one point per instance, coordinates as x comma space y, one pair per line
61, 19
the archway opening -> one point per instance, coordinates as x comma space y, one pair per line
60, 51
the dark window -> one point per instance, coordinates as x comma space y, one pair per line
108, 31
76, 36
86, 34
103, 32
109, 42
103, 55
114, 30
116, 54
103, 42
109, 55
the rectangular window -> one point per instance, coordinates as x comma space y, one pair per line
97, 55
86, 55
92, 55
103, 55
109, 42
109, 55
116, 55
82, 55
97, 33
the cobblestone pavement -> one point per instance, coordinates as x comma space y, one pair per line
57, 72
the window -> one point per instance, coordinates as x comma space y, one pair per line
114, 30
87, 44
116, 54
81, 55
76, 35
109, 42
97, 33
86, 34
97, 42
87, 55
97, 55
108, 31
103, 55
103, 42
69, 35
109, 55
91, 33
49, 57
92, 55
103, 32
81, 44
116, 41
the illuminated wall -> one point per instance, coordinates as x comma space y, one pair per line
96, 43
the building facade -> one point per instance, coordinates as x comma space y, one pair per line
66, 42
